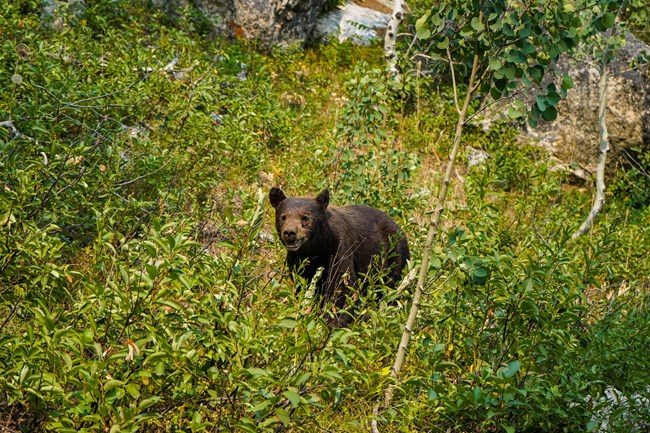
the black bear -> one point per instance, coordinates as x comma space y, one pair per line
344, 241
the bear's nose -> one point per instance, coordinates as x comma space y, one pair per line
289, 235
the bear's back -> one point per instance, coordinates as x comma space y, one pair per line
364, 219
367, 230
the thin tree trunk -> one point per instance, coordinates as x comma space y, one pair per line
432, 233
599, 199
396, 18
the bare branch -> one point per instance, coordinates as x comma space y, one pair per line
13, 131
453, 80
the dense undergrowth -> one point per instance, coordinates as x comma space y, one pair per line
142, 289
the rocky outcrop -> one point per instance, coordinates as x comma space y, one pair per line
574, 136
286, 22
271, 22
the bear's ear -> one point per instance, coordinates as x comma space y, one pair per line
276, 196
323, 198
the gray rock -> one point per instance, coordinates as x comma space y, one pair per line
271, 22
615, 407
476, 157
55, 12
574, 136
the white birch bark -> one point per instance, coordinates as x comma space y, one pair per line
599, 199
396, 18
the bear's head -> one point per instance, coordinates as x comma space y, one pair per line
300, 222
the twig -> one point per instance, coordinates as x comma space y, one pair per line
408, 279
373, 423
453, 80
13, 131
143, 176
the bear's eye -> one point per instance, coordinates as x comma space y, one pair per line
304, 219
283, 218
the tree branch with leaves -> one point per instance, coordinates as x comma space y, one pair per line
496, 49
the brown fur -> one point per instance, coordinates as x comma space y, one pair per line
341, 240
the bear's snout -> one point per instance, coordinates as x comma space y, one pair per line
289, 235
293, 235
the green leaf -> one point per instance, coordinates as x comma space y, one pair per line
154, 357
148, 402
444, 43
481, 272
533, 116
7, 218
171, 304
293, 397
516, 56
509, 72
159, 368
151, 249
495, 93
439, 347
508, 428
247, 424
529, 307
424, 34
477, 24
592, 425
152, 271
301, 379
476, 393
552, 98
466, 31
608, 19
257, 372
267, 422
446, 365
259, 407
501, 84
332, 372
567, 82
133, 390
421, 29
528, 48
513, 113
112, 383
536, 73
288, 323
51, 388
283, 416
527, 284
495, 63
513, 368
550, 114
437, 23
